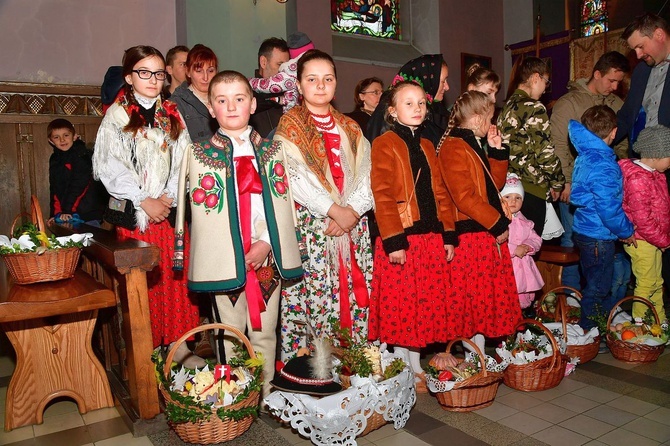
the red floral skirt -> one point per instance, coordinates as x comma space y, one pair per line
407, 303
173, 310
483, 297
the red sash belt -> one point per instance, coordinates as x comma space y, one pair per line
359, 285
249, 182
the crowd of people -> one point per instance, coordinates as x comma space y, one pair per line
404, 222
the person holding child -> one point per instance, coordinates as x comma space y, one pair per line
329, 169
138, 151
523, 243
75, 197
483, 300
414, 213
285, 81
597, 194
647, 204
237, 183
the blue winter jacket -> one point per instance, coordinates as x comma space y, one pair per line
597, 188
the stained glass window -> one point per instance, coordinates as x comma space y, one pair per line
376, 18
594, 17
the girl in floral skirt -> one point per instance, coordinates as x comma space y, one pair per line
483, 299
328, 162
417, 237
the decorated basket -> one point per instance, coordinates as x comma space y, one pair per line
542, 374
214, 425
551, 311
585, 352
473, 393
46, 266
342, 417
630, 351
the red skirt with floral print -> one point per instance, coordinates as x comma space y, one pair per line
483, 297
407, 303
172, 309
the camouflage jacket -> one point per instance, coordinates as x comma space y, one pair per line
524, 125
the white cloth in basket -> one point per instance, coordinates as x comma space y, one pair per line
340, 418
576, 334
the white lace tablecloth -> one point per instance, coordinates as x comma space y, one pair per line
338, 419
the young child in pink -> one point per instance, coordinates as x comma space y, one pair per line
647, 205
286, 79
523, 243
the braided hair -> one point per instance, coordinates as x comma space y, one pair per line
467, 105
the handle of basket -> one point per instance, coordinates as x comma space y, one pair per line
563, 307
561, 289
16, 220
645, 301
551, 338
36, 213
198, 329
482, 362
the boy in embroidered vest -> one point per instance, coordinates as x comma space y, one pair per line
243, 224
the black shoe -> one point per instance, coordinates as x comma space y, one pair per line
603, 347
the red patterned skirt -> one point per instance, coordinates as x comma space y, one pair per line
407, 303
483, 297
172, 308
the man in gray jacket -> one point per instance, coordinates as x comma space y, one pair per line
582, 94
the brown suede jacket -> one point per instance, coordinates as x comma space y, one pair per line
477, 208
392, 185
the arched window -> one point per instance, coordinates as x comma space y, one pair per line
594, 17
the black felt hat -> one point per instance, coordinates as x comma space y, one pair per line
296, 377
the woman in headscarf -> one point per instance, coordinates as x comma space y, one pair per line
431, 72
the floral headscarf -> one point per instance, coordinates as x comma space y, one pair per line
424, 70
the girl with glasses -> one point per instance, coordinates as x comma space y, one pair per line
138, 151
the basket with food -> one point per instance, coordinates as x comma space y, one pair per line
463, 385
216, 403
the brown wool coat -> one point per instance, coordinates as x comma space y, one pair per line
393, 182
464, 175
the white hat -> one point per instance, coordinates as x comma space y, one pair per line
513, 185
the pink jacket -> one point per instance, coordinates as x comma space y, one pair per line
527, 275
646, 203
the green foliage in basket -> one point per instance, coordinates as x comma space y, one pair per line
600, 318
193, 411
394, 368
354, 360
37, 237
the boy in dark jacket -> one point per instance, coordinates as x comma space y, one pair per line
74, 196
597, 194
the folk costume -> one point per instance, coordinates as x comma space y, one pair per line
238, 195
134, 167
483, 296
407, 304
328, 163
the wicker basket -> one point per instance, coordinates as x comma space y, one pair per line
215, 430
630, 351
539, 375
473, 393
557, 316
51, 265
585, 352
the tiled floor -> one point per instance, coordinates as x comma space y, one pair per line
605, 402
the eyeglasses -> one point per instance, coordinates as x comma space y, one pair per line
146, 74
374, 92
546, 80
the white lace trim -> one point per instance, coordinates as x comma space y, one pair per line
338, 419
145, 102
